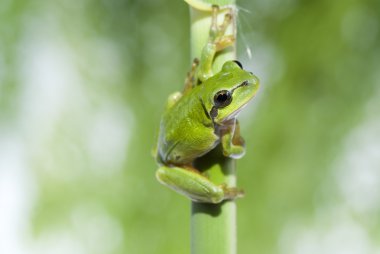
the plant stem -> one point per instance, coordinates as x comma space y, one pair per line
213, 227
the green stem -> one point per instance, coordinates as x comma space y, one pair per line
213, 227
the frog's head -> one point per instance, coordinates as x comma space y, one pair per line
227, 92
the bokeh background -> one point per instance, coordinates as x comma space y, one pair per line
82, 87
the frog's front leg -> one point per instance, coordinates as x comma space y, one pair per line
189, 182
233, 144
217, 41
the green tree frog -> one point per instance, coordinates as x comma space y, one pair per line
203, 116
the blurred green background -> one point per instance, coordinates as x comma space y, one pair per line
82, 87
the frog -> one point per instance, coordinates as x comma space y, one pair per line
203, 116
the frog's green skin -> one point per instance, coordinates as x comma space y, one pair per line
193, 124
197, 120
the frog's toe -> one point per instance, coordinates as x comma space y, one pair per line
232, 192
234, 152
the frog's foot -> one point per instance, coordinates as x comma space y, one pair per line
217, 41
189, 182
234, 151
233, 144
232, 192
217, 32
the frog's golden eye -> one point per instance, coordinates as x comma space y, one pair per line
222, 98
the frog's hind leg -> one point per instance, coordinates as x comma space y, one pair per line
189, 182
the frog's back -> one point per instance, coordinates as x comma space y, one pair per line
186, 131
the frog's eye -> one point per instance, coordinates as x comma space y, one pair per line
222, 99
238, 63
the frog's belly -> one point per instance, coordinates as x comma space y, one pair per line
184, 154
185, 151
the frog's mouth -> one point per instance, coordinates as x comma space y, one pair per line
236, 113
215, 112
